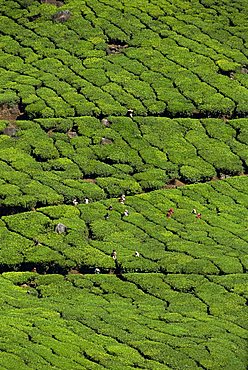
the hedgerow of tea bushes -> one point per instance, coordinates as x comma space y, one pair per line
13, 246
180, 149
115, 187
8, 97
152, 179
207, 241
171, 41
19, 160
64, 167
156, 318
22, 224
196, 174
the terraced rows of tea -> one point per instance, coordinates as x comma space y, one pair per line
144, 321
123, 185
216, 243
104, 57
53, 161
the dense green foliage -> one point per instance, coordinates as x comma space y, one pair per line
105, 98
150, 321
50, 161
215, 244
168, 57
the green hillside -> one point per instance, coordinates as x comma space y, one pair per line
103, 57
214, 244
123, 184
145, 321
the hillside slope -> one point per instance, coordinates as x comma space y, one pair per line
123, 184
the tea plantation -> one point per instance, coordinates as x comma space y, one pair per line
123, 184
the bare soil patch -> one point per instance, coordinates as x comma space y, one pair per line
10, 113
174, 183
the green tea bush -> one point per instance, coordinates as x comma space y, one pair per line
115, 187
42, 193
222, 159
9, 360
228, 264
87, 190
154, 157
19, 277
47, 256
151, 179
233, 282
55, 212
217, 129
28, 224
192, 174
13, 246
226, 65
7, 190
94, 168
56, 124
64, 167
35, 108
9, 97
